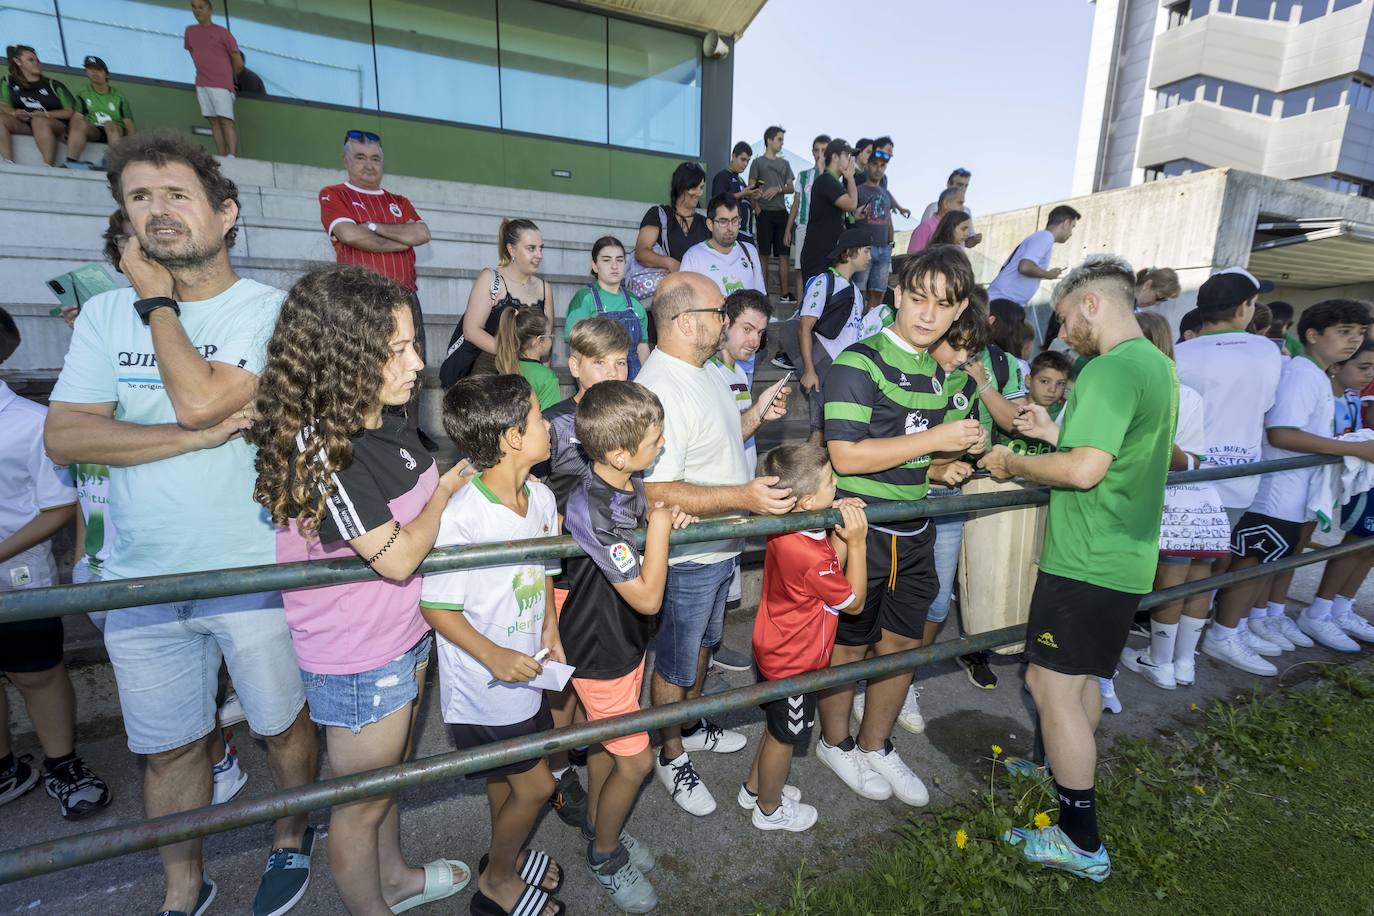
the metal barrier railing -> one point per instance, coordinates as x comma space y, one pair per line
123, 839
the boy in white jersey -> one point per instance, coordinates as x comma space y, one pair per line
832, 314
1300, 422
730, 262
494, 622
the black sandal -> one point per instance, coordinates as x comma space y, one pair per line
531, 903
533, 872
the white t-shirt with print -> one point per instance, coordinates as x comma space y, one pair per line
1237, 375
29, 484
732, 270
503, 603
813, 304
703, 444
1010, 283
1305, 401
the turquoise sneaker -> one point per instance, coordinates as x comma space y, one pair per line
1050, 847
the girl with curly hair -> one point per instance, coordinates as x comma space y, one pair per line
342, 477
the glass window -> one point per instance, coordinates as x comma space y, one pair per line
1343, 4
1295, 101
1199, 8
1254, 9
1211, 90
1238, 96
1264, 102
1361, 95
438, 60
655, 89
553, 71
34, 23
308, 49
140, 37
1283, 10
1224, 6
1312, 9
1328, 95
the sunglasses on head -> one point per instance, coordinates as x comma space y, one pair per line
881, 155
366, 136
962, 173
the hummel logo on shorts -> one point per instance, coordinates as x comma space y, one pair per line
1047, 639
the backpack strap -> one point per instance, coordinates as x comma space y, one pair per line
496, 282
1001, 366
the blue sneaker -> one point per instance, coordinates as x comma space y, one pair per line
1050, 847
208, 889
285, 879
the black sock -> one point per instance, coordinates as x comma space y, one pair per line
52, 763
663, 757
693, 728
1078, 817
6, 764
846, 745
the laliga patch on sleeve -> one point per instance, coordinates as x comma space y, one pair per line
622, 556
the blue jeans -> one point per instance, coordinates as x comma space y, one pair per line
693, 617
949, 537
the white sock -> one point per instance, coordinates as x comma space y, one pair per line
1341, 606
1162, 639
1221, 631
1320, 609
558, 774
1189, 632
1277, 609
1257, 613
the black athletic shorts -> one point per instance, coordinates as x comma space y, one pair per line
1077, 627
901, 585
790, 719
1266, 538
469, 736
31, 645
772, 226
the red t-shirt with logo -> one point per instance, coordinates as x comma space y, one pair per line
346, 203
804, 590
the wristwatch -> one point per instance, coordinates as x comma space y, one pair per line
146, 307
371, 227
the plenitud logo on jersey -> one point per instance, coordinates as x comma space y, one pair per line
395, 209
409, 460
622, 557
916, 422
528, 586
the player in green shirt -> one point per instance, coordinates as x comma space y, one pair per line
102, 114
1101, 538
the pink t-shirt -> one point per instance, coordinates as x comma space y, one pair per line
210, 47
357, 626
921, 237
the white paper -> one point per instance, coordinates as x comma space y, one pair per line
554, 676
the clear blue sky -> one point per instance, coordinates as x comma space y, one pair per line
994, 86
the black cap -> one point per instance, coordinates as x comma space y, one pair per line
97, 63
1229, 288
851, 238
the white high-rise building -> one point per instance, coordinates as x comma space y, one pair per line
1280, 87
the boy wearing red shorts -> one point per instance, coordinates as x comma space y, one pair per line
808, 581
606, 620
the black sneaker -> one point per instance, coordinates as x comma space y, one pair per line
569, 799
783, 361
787, 299
19, 780
980, 675
78, 791
731, 660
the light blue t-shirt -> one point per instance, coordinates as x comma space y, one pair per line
194, 511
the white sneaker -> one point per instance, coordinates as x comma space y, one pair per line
1291, 632
1327, 632
1268, 628
910, 717
629, 890
1257, 643
229, 777
1111, 703
905, 784
789, 815
1236, 652
680, 778
1185, 670
711, 737
1139, 661
749, 801
853, 771
1356, 626
231, 713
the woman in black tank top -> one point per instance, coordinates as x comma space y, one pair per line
513, 282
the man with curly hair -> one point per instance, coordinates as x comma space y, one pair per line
176, 359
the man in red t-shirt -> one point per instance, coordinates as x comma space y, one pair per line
217, 58
373, 228
809, 579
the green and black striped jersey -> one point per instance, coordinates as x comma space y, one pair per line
882, 388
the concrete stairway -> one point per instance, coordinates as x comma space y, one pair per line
51, 220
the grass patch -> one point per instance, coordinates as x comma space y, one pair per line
1265, 808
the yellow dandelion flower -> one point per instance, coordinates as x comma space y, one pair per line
1199, 789
961, 838
1193, 707
996, 750
1042, 820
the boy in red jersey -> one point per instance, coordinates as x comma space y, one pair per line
808, 581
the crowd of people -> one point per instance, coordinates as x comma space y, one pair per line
203, 421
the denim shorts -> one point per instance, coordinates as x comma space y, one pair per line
352, 701
693, 616
874, 276
166, 660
